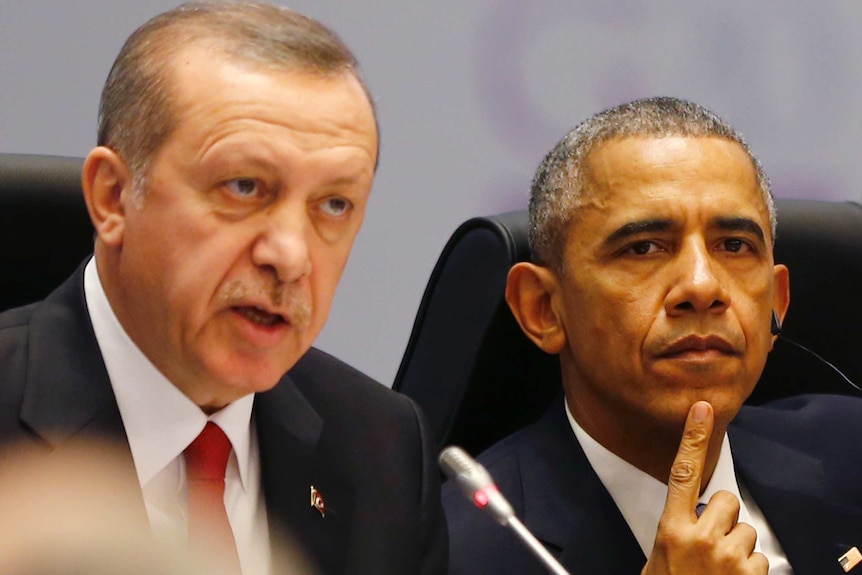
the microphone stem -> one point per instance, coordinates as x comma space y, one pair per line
537, 548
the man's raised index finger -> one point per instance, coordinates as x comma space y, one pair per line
683, 487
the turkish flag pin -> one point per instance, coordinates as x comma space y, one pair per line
317, 501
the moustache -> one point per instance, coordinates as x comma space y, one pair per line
286, 300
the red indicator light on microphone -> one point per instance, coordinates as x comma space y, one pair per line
480, 498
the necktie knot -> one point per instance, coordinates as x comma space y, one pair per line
206, 457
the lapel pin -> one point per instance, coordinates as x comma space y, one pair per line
318, 503
850, 559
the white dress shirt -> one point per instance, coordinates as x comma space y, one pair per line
640, 497
160, 422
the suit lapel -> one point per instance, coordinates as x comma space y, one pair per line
568, 508
67, 389
68, 397
289, 431
790, 489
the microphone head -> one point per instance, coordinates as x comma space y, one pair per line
475, 482
463, 469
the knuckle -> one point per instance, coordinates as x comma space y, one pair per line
759, 562
703, 544
746, 530
667, 538
728, 563
729, 559
732, 559
684, 471
727, 499
728, 502
695, 436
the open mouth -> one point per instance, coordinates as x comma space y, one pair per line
259, 316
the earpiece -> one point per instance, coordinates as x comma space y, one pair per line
775, 326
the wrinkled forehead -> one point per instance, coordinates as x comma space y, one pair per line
632, 163
647, 155
639, 174
201, 73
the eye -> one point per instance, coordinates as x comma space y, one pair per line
336, 206
642, 248
243, 187
735, 245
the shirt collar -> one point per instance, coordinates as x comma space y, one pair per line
639, 496
160, 421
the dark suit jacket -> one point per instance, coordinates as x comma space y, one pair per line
363, 446
801, 459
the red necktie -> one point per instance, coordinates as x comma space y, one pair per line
206, 462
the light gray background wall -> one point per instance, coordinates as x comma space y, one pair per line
472, 93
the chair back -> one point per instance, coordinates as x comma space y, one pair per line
45, 231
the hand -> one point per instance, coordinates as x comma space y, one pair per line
715, 543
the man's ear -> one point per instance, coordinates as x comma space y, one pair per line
107, 183
781, 294
529, 293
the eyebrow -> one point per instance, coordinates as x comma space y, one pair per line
731, 224
639, 227
345, 180
740, 225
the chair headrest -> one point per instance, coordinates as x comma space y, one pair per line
45, 231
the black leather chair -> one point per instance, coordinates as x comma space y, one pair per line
478, 378
45, 231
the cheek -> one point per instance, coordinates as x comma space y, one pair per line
203, 264
622, 312
328, 264
754, 306
192, 270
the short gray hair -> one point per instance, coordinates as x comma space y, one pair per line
137, 112
560, 182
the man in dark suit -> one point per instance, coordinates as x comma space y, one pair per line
237, 148
652, 227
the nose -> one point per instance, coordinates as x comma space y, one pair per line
698, 285
282, 245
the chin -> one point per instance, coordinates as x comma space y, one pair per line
726, 412
258, 380
248, 369
246, 377
725, 404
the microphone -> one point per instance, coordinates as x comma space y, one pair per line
476, 484
821, 359
775, 329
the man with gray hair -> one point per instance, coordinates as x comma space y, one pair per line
236, 152
653, 279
